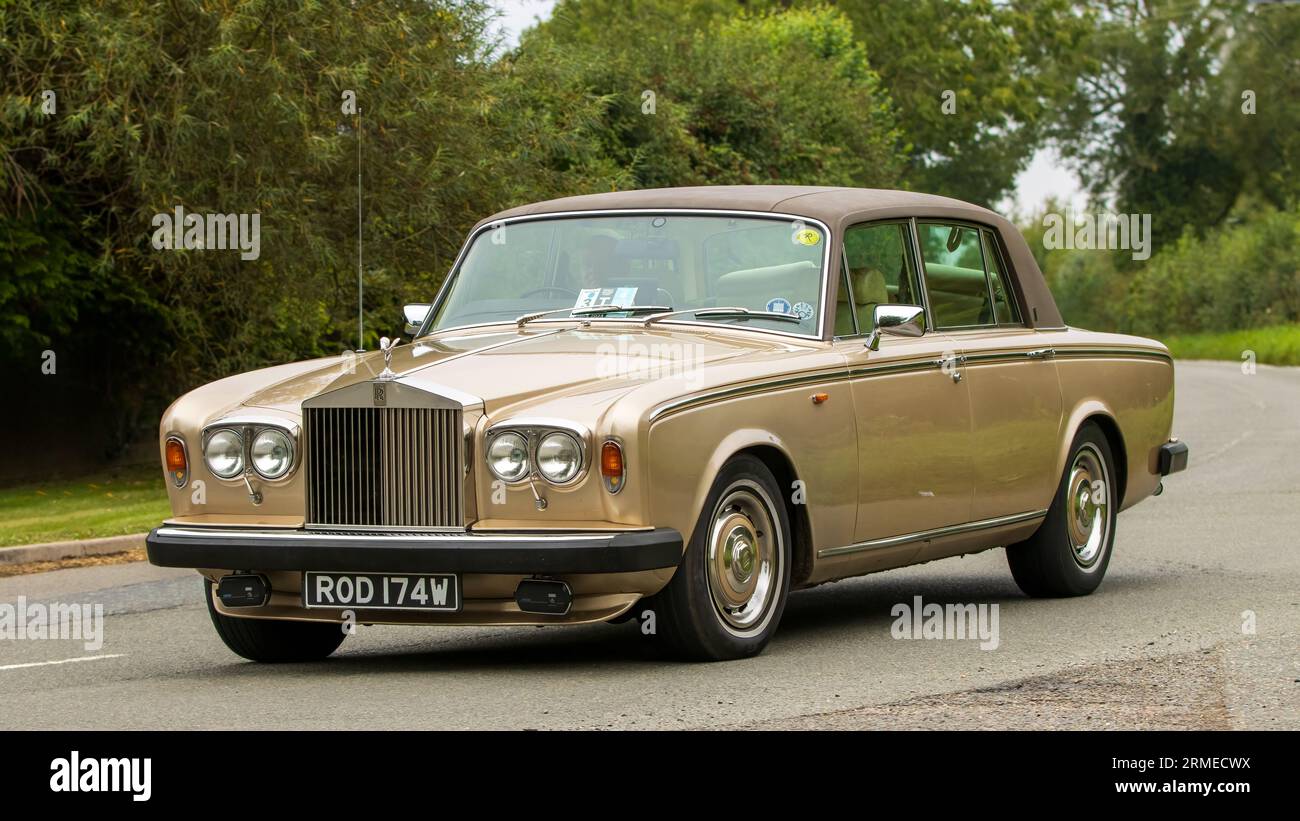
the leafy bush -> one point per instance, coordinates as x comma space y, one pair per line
1244, 275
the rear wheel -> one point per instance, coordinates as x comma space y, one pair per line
270, 640
1069, 553
726, 599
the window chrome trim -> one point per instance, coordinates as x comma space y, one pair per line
918, 261
989, 239
847, 280
934, 533
828, 235
905, 223
979, 228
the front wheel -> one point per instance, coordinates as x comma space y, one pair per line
726, 599
1070, 551
271, 640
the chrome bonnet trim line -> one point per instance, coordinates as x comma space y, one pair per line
1098, 351
927, 535
720, 394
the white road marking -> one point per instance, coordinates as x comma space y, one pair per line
61, 661
1222, 449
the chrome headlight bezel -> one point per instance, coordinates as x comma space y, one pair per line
288, 442
223, 433
565, 438
533, 431
248, 429
523, 445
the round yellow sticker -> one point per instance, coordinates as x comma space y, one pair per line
807, 236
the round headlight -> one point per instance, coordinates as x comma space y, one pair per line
559, 457
507, 457
224, 454
272, 453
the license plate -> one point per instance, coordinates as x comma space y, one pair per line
382, 591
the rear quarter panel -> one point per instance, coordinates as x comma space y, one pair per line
1129, 380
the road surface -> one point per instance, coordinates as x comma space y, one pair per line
1197, 625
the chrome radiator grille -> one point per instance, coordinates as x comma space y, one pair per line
384, 467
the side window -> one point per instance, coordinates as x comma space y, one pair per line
1004, 303
955, 279
879, 268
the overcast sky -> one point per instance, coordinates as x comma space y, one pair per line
1046, 176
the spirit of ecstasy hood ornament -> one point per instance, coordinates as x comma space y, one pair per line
387, 346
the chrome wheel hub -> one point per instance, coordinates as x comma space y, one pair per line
742, 562
1087, 519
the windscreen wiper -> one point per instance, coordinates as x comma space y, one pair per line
737, 313
591, 310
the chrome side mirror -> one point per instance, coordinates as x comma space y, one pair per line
415, 316
895, 320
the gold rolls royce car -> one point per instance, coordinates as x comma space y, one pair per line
676, 405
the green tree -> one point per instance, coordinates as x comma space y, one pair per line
1008, 67
1262, 75
1003, 68
1151, 125
698, 96
237, 108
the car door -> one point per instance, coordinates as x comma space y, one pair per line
911, 404
1015, 393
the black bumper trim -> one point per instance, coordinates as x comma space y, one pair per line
1173, 457
226, 549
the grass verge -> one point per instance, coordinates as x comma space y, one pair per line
117, 503
1274, 345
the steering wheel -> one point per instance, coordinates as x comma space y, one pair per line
550, 289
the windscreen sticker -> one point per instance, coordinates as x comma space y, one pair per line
595, 297
807, 236
803, 310
778, 306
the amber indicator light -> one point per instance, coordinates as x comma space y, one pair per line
611, 460
176, 456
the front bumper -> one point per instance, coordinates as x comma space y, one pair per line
547, 553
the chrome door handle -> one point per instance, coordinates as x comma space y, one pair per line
951, 365
1041, 353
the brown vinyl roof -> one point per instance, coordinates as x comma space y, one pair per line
817, 202
838, 208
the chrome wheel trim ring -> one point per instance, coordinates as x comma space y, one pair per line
744, 559
1087, 501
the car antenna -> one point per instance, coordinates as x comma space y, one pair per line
360, 287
